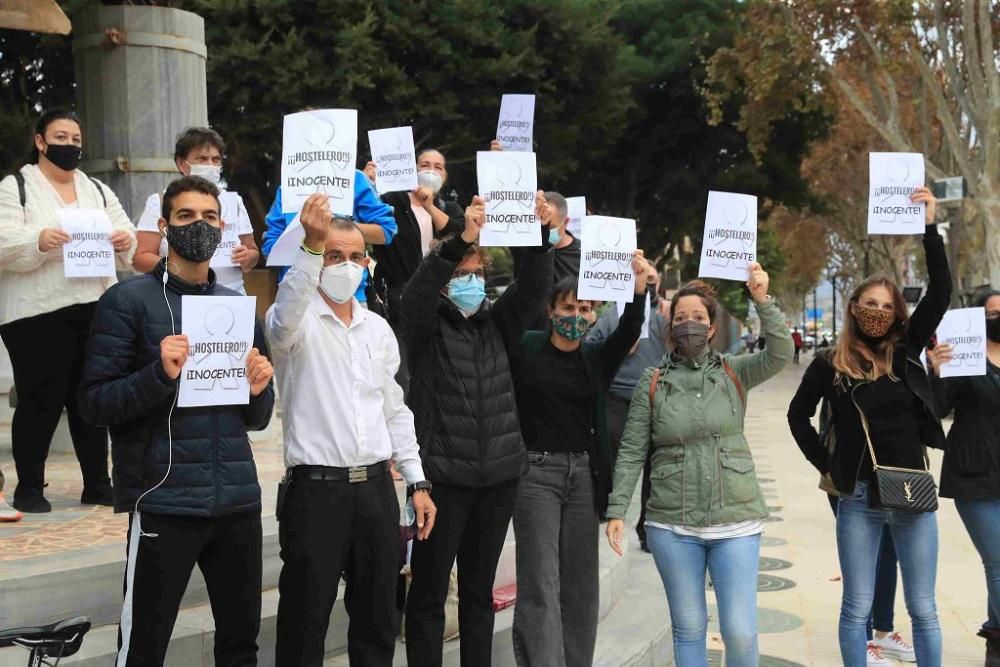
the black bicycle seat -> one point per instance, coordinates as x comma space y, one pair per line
62, 639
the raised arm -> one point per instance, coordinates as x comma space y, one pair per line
284, 319
622, 340
932, 307
373, 216
754, 369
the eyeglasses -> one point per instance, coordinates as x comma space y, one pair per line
462, 273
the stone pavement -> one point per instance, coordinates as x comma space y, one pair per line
799, 584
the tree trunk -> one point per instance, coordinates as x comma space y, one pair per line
988, 204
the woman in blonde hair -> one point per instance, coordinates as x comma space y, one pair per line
878, 392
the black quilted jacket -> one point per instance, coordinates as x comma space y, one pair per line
125, 388
461, 389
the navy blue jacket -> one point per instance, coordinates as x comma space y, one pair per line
126, 389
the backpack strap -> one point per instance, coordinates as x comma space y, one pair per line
736, 381
21, 194
652, 386
100, 188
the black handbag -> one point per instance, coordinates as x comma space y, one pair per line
899, 489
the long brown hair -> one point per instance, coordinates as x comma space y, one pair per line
849, 358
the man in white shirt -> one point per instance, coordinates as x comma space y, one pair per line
343, 419
199, 152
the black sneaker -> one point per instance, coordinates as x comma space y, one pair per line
34, 503
100, 494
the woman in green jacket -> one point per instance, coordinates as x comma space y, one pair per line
706, 508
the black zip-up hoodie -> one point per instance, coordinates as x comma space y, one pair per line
818, 383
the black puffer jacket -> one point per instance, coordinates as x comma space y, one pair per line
125, 388
971, 468
461, 389
818, 383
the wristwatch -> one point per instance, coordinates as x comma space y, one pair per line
419, 486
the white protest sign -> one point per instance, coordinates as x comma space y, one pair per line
965, 330
576, 211
516, 122
285, 249
318, 152
729, 245
223, 256
892, 178
507, 183
220, 334
645, 323
607, 246
89, 253
395, 159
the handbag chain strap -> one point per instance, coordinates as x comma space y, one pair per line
871, 448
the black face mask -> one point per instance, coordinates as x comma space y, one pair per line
65, 156
993, 329
196, 242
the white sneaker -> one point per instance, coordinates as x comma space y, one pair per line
875, 658
894, 647
8, 513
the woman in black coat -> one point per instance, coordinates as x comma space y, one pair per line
971, 470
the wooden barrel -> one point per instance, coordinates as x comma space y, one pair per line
140, 75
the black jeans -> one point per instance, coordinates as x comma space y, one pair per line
327, 528
556, 525
617, 411
47, 353
472, 525
227, 550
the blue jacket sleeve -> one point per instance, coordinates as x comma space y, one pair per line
275, 222
113, 389
370, 209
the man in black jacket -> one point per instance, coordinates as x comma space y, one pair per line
185, 475
462, 397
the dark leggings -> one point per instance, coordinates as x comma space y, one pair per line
47, 353
883, 607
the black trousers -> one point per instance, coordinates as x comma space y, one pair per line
47, 353
327, 528
227, 550
617, 410
471, 525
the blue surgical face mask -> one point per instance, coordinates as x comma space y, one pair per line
467, 293
554, 236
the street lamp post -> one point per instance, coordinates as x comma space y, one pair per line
833, 314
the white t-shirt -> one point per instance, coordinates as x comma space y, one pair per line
234, 214
426, 224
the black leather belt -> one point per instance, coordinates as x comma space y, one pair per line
328, 474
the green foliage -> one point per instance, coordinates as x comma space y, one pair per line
620, 114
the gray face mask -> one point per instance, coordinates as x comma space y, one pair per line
689, 338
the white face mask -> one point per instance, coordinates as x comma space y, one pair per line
340, 281
431, 179
210, 172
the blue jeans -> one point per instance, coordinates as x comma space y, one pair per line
883, 608
733, 564
859, 536
982, 521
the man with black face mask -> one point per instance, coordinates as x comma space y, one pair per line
185, 475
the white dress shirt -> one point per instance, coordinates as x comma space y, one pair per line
340, 403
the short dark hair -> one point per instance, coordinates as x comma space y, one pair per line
564, 287
46, 119
425, 151
186, 184
341, 224
196, 137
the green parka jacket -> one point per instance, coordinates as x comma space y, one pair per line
702, 470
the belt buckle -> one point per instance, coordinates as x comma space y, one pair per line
359, 474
